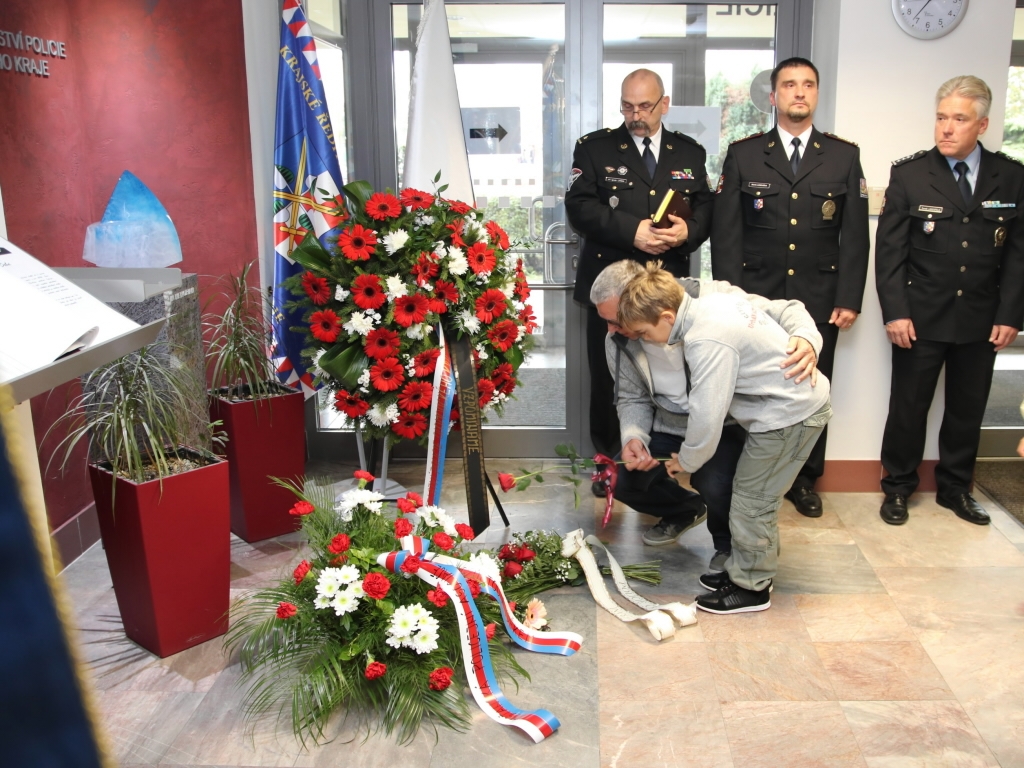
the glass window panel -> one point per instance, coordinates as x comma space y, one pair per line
332, 74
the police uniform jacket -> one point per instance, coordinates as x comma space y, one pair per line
954, 269
610, 193
799, 237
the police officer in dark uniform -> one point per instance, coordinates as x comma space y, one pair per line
619, 178
949, 266
791, 222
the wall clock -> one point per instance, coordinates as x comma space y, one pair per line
928, 19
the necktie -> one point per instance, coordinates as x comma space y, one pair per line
794, 160
963, 183
648, 157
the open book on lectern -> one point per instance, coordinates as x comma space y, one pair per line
44, 316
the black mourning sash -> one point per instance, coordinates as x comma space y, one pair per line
472, 434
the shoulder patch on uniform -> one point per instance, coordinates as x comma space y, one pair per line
690, 139
748, 138
908, 158
839, 138
1011, 158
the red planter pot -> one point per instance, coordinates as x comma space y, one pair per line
266, 438
169, 553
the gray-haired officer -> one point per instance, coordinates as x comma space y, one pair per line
949, 266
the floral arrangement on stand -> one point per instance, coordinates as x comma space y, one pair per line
404, 265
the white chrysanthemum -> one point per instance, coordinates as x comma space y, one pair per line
395, 240
425, 642
424, 220
374, 506
417, 612
485, 565
395, 641
396, 287
508, 289
402, 624
359, 323
321, 601
356, 589
340, 294
328, 587
378, 416
481, 352
429, 624
519, 306
344, 602
348, 573
469, 321
457, 263
316, 365
349, 501
364, 377
520, 332
417, 330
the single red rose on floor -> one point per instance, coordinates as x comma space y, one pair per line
508, 552
443, 541
316, 288
446, 291
441, 678
382, 206
503, 335
325, 325
376, 585
464, 531
437, 597
402, 526
386, 375
411, 309
525, 554
489, 631
416, 396
362, 474
286, 610
301, 570
405, 506
410, 425
414, 497
411, 564
497, 235
381, 343
358, 243
507, 482
415, 200
458, 206
490, 305
456, 228
424, 363
512, 569
339, 544
301, 508
486, 389
425, 269
367, 293
481, 258
374, 670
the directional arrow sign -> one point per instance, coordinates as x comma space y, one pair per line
702, 123
498, 133
492, 130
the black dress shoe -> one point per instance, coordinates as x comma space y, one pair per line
597, 488
894, 509
965, 507
806, 501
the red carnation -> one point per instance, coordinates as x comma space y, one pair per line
437, 597
411, 309
405, 506
415, 498
425, 269
489, 630
441, 678
459, 207
362, 474
512, 569
382, 206
485, 387
443, 541
301, 570
424, 362
507, 481
376, 585
415, 200
386, 375
339, 560
446, 291
374, 670
474, 588
503, 335
416, 396
411, 564
454, 419
410, 425
381, 343
339, 544
464, 531
367, 293
497, 235
301, 508
286, 610
490, 305
456, 228
358, 243
351, 404
316, 288
325, 325
402, 526
481, 258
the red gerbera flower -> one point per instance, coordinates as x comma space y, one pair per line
358, 243
381, 343
497, 235
503, 335
458, 206
425, 269
446, 291
382, 206
506, 386
481, 258
367, 293
416, 396
502, 373
424, 362
325, 325
485, 388
410, 425
436, 305
351, 404
415, 200
522, 289
456, 228
386, 375
316, 288
490, 305
411, 309
527, 318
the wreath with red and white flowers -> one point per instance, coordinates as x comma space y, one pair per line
402, 267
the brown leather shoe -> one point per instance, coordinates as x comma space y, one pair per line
965, 507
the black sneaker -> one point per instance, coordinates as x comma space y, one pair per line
718, 579
733, 598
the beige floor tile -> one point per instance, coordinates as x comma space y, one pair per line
794, 528
666, 672
771, 734
780, 623
852, 618
923, 734
789, 671
141, 725
825, 569
889, 671
663, 734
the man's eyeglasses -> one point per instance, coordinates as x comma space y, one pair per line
629, 109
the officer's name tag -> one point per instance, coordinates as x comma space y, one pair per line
930, 208
758, 185
616, 179
997, 204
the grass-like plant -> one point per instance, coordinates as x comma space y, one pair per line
237, 341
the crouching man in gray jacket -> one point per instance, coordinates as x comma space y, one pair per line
730, 351
651, 400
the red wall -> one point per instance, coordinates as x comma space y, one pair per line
156, 87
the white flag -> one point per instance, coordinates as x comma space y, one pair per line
435, 141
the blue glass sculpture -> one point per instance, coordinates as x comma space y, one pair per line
135, 231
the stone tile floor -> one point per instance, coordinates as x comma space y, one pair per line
883, 647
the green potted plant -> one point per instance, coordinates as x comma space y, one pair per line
163, 507
263, 419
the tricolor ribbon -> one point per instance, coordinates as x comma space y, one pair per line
606, 473
440, 423
450, 576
